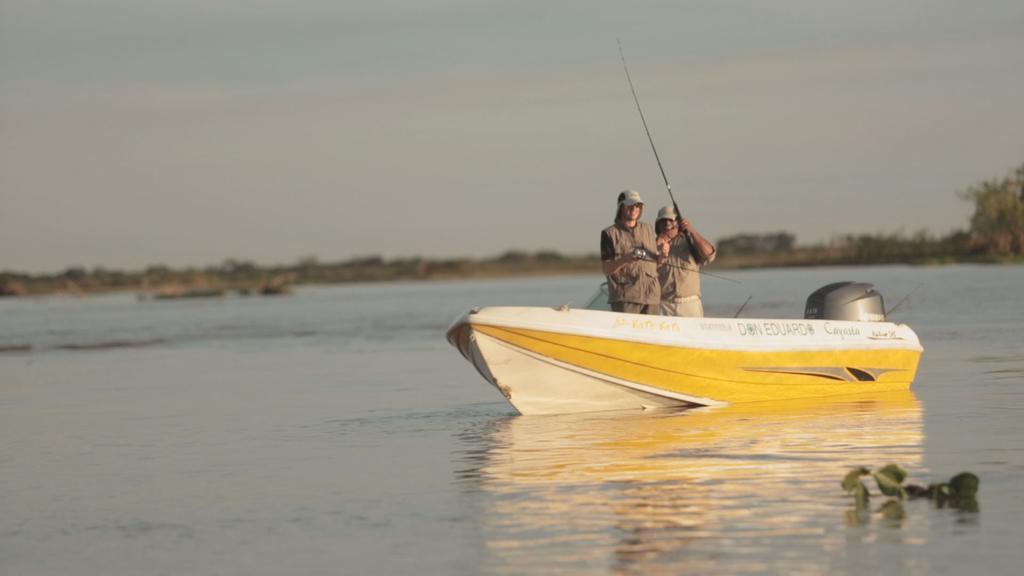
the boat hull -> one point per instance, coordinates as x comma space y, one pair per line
557, 361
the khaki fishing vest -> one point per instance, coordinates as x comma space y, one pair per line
679, 276
636, 282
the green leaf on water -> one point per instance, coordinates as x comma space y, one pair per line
893, 510
895, 472
959, 493
967, 505
853, 479
963, 485
860, 496
889, 486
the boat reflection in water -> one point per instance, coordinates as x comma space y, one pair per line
750, 487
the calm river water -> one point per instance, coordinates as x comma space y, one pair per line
336, 432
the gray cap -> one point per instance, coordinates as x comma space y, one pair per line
667, 212
629, 198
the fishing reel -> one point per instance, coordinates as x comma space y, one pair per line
642, 254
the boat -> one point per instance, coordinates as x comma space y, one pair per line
548, 360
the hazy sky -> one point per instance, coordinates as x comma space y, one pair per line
185, 132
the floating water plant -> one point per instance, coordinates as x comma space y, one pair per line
960, 492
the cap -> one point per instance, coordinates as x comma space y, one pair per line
629, 198
668, 212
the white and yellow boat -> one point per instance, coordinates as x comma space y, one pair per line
560, 360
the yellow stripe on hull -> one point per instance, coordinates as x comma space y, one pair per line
724, 375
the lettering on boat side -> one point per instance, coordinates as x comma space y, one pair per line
884, 334
716, 326
841, 331
772, 328
669, 326
647, 324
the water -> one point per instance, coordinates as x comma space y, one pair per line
336, 432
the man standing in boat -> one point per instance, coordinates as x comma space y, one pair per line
681, 253
628, 259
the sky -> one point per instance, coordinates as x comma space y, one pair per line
187, 132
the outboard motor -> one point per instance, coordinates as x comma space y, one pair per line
854, 301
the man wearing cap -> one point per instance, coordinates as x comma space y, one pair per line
629, 259
681, 253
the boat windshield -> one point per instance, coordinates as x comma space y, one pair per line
599, 301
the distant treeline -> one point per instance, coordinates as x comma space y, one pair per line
249, 277
750, 250
995, 233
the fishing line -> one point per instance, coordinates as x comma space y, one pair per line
645, 256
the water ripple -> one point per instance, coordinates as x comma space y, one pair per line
669, 494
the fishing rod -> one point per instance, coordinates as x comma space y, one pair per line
902, 300
657, 158
742, 306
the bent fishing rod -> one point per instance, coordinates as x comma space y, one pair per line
657, 158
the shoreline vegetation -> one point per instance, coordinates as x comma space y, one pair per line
995, 235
